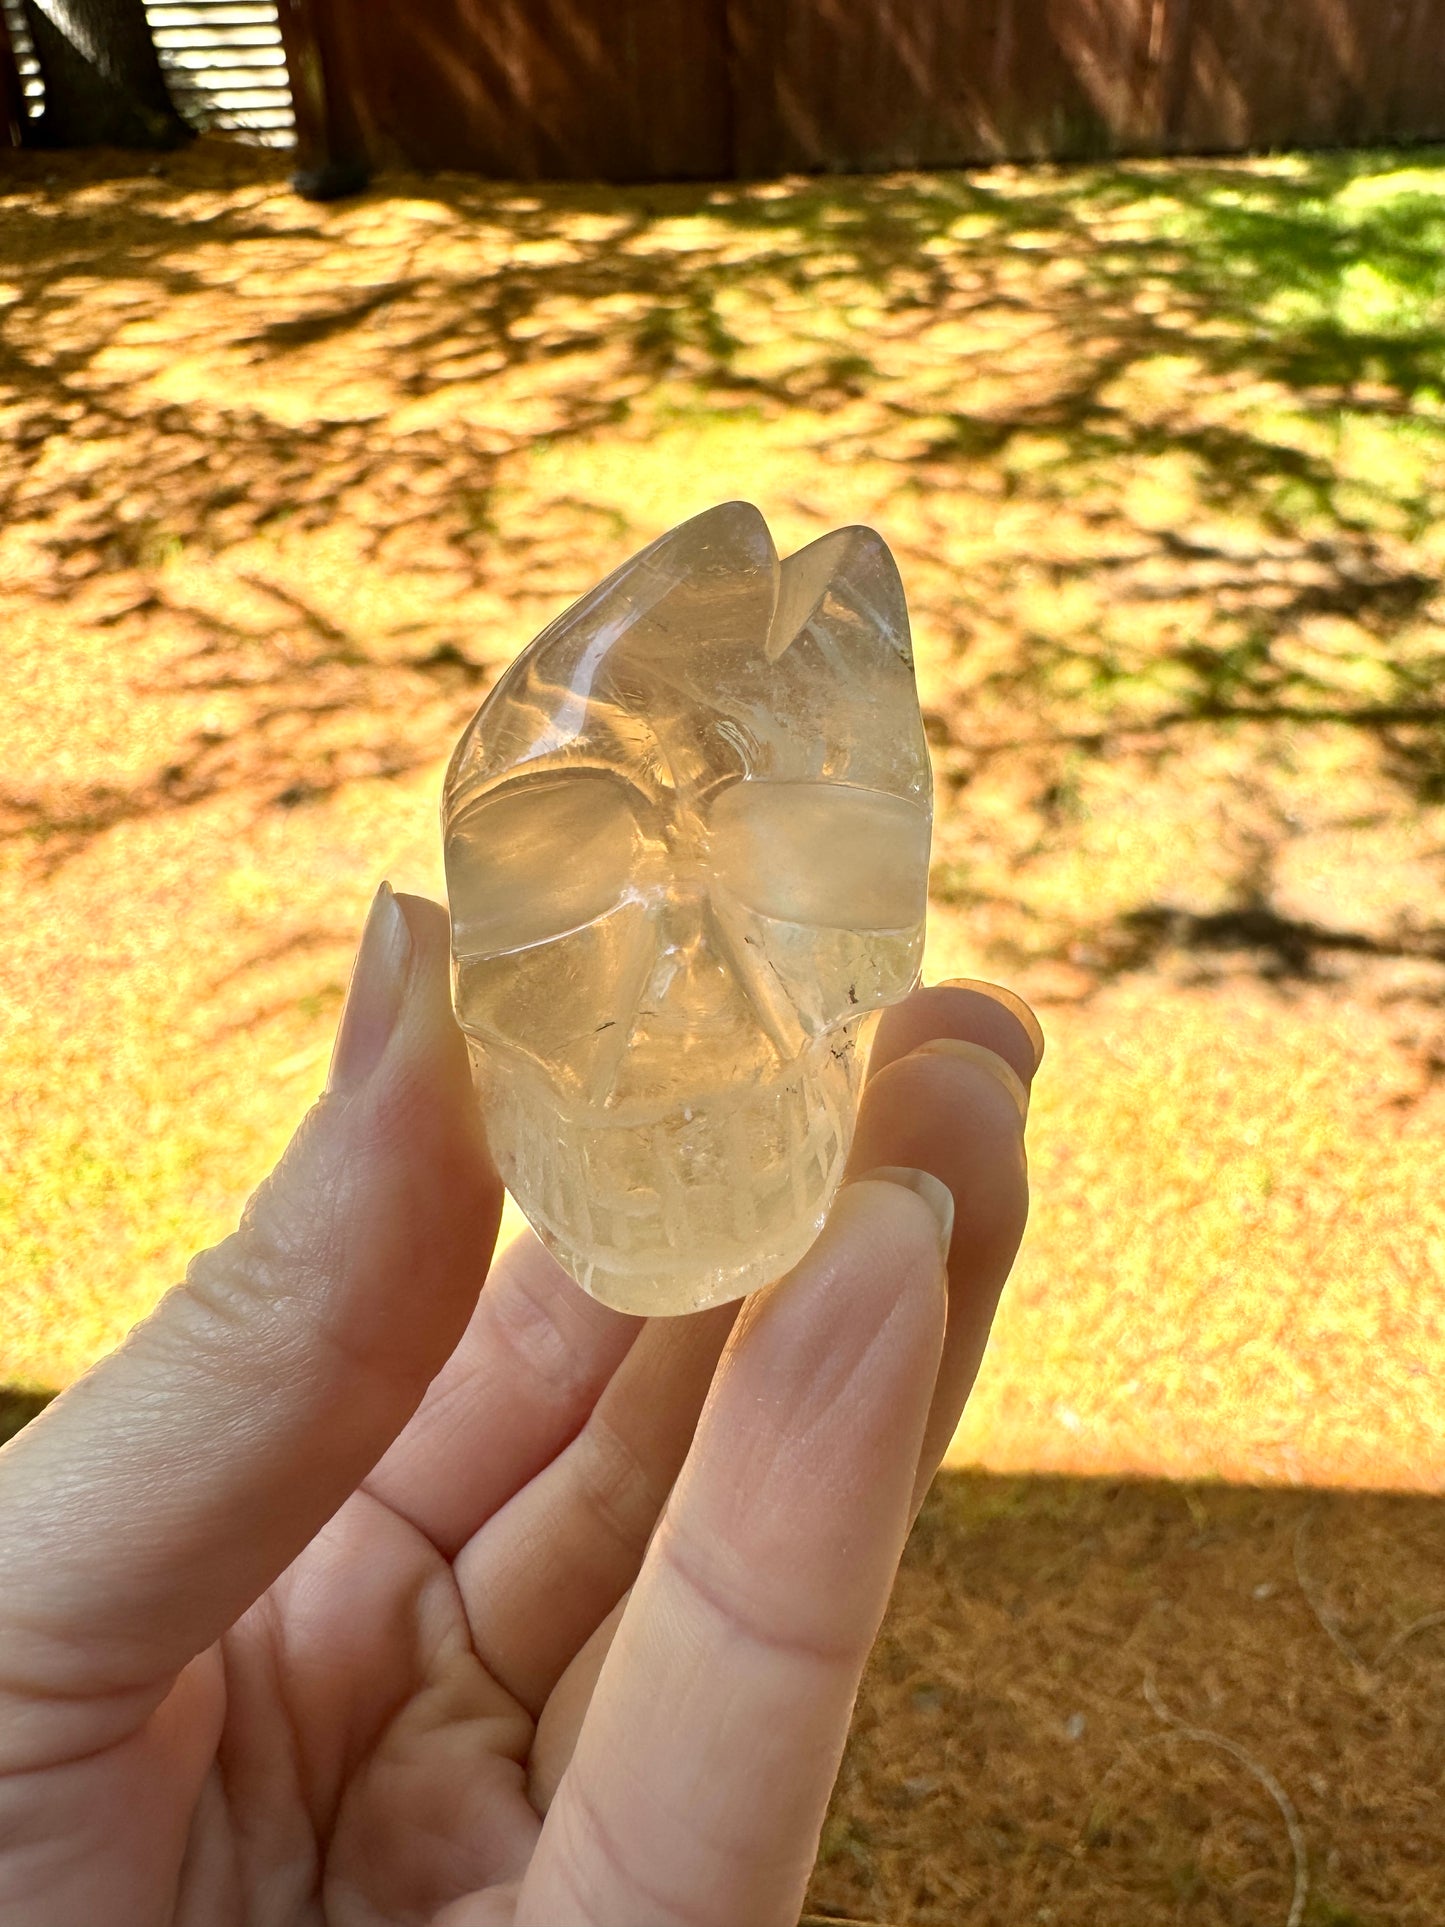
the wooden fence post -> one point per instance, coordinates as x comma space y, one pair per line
331, 158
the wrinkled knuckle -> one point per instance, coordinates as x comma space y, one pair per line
743, 1615
528, 1325
596, 1843
525, 1325
620, 1494
240, 1298
222, 1293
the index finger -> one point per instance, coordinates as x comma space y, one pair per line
703, 1771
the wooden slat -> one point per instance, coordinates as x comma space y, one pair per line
234, 99
12, 91
529, 89
247, 61
225, 64
907, 83
210, 19
240, 41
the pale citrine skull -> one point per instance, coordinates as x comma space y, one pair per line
686, 843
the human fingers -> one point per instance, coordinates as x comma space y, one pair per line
162, 1494
952, 1108
554, 1738
955, 1105
541, 1573
536, 1355
699, 1783
538, 1351
990, 1015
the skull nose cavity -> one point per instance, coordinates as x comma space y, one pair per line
682, 913
692, 985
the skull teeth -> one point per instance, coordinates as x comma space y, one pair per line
691, 1201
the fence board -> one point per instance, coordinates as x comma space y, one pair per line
529, 89
905, 83
658, 89
649, 89
1347, 72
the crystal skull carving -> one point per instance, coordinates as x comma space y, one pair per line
686, 843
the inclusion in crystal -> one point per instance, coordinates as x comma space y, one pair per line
686, 843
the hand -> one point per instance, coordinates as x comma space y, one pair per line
347, 1592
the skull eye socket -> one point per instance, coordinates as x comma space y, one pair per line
823, 854
538, 857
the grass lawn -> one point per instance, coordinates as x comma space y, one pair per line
1161, 451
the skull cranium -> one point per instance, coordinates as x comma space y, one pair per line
686, 843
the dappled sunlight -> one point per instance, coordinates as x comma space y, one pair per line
1159, 449
1233, 1268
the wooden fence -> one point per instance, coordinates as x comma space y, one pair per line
671, 89
664, 89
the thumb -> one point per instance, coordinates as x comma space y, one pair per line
160, 1495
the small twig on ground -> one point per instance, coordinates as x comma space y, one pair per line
1266, 1779
1312, 1599
1397, 1640
1329, 1626
1179, 1730
837, 1920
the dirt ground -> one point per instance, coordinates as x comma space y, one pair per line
1138, 1703
1159, 449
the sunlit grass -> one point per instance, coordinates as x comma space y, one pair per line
1160, 451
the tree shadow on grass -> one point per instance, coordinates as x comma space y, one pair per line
1268, 341
1287, 947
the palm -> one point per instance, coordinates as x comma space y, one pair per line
436, 1711
362, 1746
369, 1767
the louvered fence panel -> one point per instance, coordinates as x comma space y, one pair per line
224, 65
31, 92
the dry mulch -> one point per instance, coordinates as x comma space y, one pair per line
1138, 1702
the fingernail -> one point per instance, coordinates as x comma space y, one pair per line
933, 1191
373, 998
1011, 1002
986, 1060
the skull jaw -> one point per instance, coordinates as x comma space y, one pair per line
683, 1206
659, 1293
